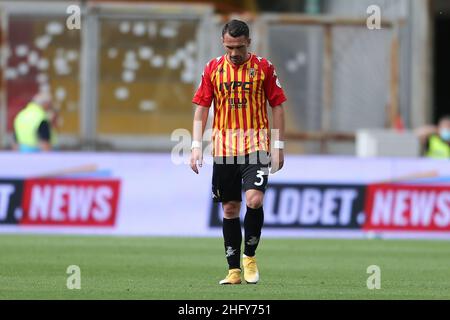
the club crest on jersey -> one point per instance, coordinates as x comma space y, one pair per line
252, 72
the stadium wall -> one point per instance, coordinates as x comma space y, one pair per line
158, 195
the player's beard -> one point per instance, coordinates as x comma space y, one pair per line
237, 59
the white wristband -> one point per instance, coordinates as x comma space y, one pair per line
196, 144
277, 144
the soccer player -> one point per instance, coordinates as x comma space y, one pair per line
240, 83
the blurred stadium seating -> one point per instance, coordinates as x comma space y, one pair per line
125, 80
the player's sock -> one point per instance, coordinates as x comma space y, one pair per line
232, 236
253, 222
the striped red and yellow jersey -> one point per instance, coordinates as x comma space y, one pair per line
240, 92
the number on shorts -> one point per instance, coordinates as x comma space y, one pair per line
259, 174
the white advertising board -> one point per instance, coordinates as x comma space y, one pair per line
155, 195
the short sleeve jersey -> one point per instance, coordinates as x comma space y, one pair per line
240, 94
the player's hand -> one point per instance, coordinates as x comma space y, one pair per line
277, 160
196, 159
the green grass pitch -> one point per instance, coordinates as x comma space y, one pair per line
34, 267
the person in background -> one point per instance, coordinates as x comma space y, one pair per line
32, 125
436, 140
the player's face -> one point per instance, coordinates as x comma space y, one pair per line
236, 48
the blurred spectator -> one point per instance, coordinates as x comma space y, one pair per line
436, 140
33, 125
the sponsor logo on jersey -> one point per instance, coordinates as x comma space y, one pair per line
232, 85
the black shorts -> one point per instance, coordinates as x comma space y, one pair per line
232, 174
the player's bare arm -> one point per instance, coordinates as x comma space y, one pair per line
277, 154
200, 118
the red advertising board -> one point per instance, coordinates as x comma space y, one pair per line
74, 202
399, 207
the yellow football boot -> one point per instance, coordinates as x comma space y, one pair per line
233, 277
251, 273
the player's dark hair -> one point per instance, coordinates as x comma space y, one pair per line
236, 28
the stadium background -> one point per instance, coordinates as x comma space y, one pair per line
122, 85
